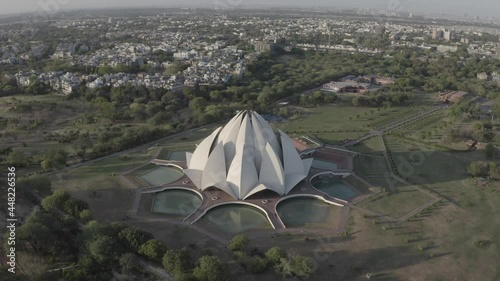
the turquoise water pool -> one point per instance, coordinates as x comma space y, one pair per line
162, 175
177, 155
320, 164
176, 202
334, 188
236, 218
303, 212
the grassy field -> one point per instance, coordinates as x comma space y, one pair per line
397, 203
98, 184
337, 138
370, 146
368, 165
329, 117
344, 116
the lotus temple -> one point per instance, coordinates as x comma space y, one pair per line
245, 176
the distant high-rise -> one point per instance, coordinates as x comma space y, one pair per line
498, 51
261, 46
437, 34
447, 35
441, 34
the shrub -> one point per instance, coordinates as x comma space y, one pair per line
238, 243
75, 206
482, 244
211, 269
258, 264
295, 266
275, 254
153, 250
176, 260
55, 201
85, 215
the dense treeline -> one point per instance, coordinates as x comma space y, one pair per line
379, 99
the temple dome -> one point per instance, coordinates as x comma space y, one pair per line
246, 156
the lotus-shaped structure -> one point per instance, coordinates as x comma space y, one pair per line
245, 157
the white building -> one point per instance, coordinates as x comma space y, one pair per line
246, 157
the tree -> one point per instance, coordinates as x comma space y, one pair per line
330, 98
160, 118
38, 88
133, 238
295, 266
53, 159
103, 249
490, 150
494, 171
55, 201
153, 250
17, 158
198, 104
176, 260
36, 234
264, 98
258, 264
211, 268
318, 97
275, 254
128, 262
478, 169
85, 215
283, 112
238, 243
74, 207
216, 95
176, 67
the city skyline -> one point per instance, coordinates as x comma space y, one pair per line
485, 8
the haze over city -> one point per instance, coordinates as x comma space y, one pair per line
487, 8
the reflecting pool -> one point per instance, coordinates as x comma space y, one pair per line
334, 187
236, 218
177, 155
162, 175
176, 202
320, 164
308, 212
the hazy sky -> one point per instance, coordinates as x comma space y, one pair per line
471, 7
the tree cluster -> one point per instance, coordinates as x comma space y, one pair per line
283, 264
484, 169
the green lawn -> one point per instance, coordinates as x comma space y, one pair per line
337, 138
98, 184
329, 117
396, 204
367, 165
370, 146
